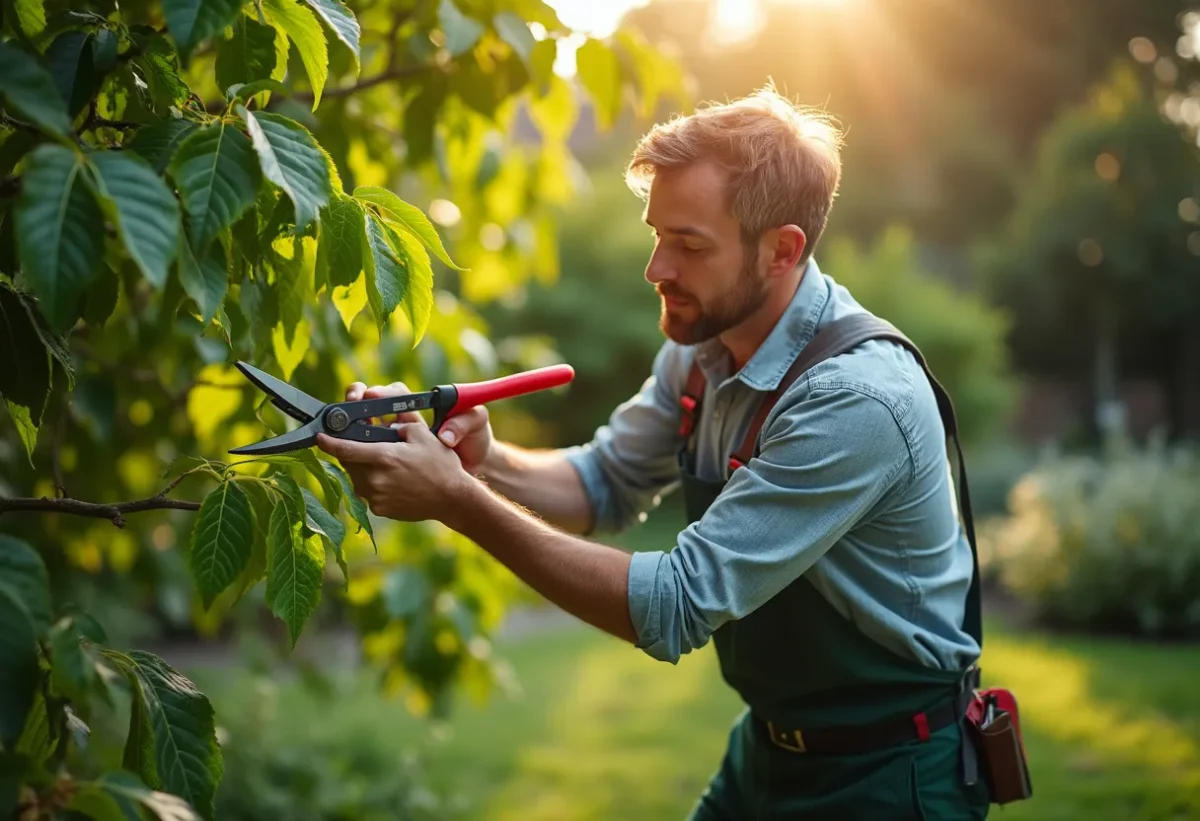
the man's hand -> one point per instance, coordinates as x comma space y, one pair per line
413, 480
469, 433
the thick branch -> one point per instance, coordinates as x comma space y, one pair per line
115, 512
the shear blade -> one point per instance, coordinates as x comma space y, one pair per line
292, 401
298, 439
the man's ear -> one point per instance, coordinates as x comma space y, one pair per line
784, 246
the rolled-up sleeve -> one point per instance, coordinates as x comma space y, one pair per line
631, 460
826, 461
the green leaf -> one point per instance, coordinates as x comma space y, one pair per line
204, 279
28, 89
177, 719
600, 72
73, 673
249, 90
147, 214
339, 243
339, 18
25, 364
31, 16
221, 540
27, 431
305, 32
256, 568
327, 526
296, 565
514, 31
358, 508
290, 158
19, 671
121, 796
331, 488
69, 59
101, 299
387, 276
407, 217
218, 179
22, 569
461, 31
193, 21
157, 142
405, 592
555, 112
247, 56
60, 232
418, 299
159, 64
40, 735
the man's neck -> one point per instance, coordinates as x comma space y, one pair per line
744, 339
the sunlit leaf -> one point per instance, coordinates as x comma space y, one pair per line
222, 539
600, 72
461, 31
350, 299
555, 112
31, 16
342, 21
218, 177
193, 21
290, 354
306, 33
408, 217
418, 299
27, 431
159, 64
60, 232
147, 214
289, 157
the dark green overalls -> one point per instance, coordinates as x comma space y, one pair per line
837, 726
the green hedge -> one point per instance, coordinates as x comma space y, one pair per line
1108, 542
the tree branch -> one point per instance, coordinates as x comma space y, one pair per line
368, 82
115, 512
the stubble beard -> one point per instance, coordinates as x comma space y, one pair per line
733, 307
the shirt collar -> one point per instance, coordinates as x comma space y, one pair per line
791, 333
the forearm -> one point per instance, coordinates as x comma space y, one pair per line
587, 579
542, 481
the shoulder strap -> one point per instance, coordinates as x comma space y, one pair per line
838, 338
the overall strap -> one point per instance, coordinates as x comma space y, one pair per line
838, 338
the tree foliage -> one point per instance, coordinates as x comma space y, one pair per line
195, 182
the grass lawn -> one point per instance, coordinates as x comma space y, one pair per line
600, 731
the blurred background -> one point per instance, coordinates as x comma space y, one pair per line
1021, 196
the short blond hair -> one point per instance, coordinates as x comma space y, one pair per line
784, 160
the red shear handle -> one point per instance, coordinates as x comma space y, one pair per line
480, 393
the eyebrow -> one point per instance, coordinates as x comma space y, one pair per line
685, 230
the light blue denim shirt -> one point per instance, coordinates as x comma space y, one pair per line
852, 487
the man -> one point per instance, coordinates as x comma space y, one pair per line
827, 563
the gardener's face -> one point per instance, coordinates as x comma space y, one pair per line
707, 279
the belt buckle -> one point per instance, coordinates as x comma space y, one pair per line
781, 739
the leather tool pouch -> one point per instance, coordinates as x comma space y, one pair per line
995, 722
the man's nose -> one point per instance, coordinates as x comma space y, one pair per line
659, 268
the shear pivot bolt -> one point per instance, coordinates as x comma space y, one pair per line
337, 420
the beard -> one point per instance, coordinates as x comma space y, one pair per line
696, 322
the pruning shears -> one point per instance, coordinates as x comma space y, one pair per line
347, 420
